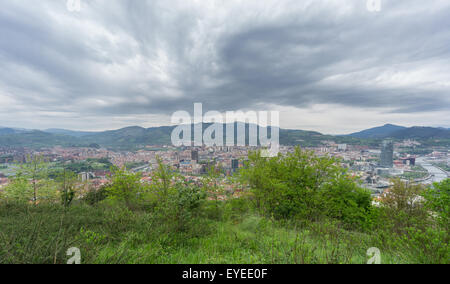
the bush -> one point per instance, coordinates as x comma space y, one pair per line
126, 187
236, 208
94, 196
438, 201
403, 206
415, 220
344, 200
178, 202
305, 186
181, 207
23, 191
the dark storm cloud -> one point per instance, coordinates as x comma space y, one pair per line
125, 58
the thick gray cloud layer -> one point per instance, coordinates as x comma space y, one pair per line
126, 62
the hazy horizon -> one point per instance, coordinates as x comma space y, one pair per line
102, 130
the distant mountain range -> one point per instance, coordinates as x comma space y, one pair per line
68, 132
135, 137
378, 132
5, 131
400, 132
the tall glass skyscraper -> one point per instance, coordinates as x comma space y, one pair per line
387, 154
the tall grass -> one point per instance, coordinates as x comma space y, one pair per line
105, 234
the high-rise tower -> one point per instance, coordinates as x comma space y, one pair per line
194, 155
387, 154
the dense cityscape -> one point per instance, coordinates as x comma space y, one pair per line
372, 167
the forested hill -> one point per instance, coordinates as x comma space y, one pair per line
400, 132
135, 137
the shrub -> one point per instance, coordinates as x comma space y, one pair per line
23, 191
344, 200
94, 196
178, 202
408, 221
125, 187
236, 208
438, 201
305, 186
403, 206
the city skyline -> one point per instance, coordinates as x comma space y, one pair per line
328, 66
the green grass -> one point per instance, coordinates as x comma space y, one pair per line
414, 175
116, 235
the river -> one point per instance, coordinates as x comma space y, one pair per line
438, 174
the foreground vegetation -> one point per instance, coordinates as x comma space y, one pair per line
293, 209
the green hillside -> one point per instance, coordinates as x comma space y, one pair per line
131, 138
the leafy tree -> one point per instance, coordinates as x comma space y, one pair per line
19, 190
31, 183
407, 221
438, 201
344, 200
162, 179
404, 198
178, 202
67, 182
125, 186
304, 185
94, 196
36, 169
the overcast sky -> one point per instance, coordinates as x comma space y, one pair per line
330, 66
